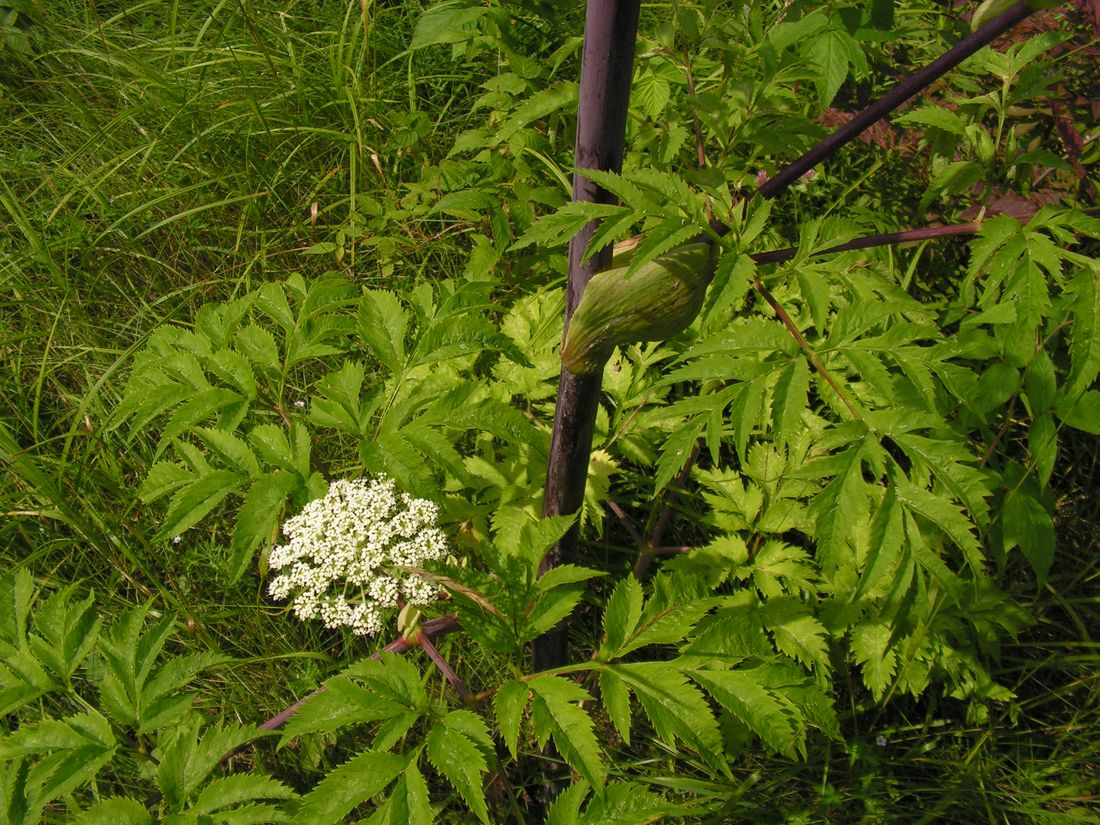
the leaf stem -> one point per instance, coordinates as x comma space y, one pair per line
812, 356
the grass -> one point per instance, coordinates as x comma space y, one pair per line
154, 156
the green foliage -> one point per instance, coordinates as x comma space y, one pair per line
258, 358
16, 19
133, 710
844, 476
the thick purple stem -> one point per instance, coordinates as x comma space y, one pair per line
607, 63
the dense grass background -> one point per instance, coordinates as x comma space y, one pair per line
157, 155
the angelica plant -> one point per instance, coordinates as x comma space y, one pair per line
348, 554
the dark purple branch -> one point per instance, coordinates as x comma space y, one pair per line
430, 628
607, 63
777, 255
907, 88
444, 668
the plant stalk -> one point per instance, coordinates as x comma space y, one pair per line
607, 64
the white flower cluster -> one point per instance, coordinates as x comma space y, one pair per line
340, 562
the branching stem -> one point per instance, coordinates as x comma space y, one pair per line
811, 355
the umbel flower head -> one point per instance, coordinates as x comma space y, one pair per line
344, 552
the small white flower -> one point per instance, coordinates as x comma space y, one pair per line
339, 563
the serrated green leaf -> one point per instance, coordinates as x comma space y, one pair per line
621, 186
65, 631
349, 785
193, 502
676, 451
258, 518
564, 575
382, 324
461, 761
164, 477
660, 239
651, 92
409, 803
788, 33
1084, 347
190, 753
234, 369
1040, 383
780, 568
271, 444
795, 632
536, 537
666, 623
1027, 524
944, 515
608, 230
271, 300
616, 701
198, 407
257, 344
624, 611
17, 592
538, 106
341, 704
230, 449
510, 702
743, 694
558, 227
119, 810
884, 546
830, 53
70, 753
553, 604
674, 706
555, 714
449, 22
872, 652
952, 464
225, 792
22, 681
566, 809
791, 392
1042, 443
1082, 413
937, 117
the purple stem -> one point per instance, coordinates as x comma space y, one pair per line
444, 668
607, 64
906, 235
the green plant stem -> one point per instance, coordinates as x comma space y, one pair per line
812, 356
651, 546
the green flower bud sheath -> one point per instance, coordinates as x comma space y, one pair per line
658, 301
